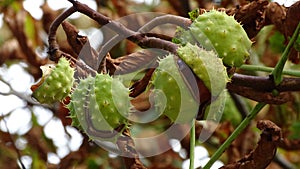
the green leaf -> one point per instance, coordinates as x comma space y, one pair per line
277, 42
194, 14
295, 129
6, 3
36, 161
29, 28
231, 113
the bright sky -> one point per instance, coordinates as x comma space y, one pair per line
20, 119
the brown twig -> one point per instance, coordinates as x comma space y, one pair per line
128, 152
260, 96
53, 50
265, 83
289, 144
261, 88
136, 37
72, 33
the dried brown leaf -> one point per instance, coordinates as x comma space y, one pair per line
75, 40
251, 16
137, 61
265, 151
292, 20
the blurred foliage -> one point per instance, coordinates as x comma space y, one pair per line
295, 130
277, 42
231, 113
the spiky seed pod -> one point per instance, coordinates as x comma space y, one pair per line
216, 30
113, 99
56, 82
79, 105
172, 96
75, 121
206, 65
99, 103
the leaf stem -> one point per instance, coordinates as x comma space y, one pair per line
233, 136
192, 145
277, 72
269, 70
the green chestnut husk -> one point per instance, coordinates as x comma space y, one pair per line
216, 30
56, 82
172, 96
99, 102
206, 65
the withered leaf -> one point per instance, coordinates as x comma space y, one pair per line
139, 60
292, 20
266, 148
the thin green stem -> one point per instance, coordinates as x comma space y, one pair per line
269, 70
233, 136
277, 72
192, 145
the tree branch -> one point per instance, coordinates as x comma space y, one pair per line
265, 84
53, 50
260, 88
